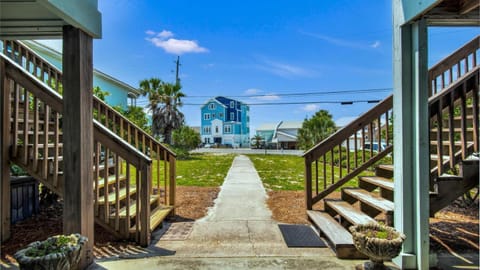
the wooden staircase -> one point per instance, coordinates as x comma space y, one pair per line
342, 157
134, 175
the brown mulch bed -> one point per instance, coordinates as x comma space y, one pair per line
192, 203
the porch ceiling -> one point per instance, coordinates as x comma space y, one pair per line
454, 13
37, 19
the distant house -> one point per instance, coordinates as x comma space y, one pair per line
281, 135
225, 121
120, 92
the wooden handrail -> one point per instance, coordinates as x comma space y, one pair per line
340, 135
454, 66
54, 100
339, 148
442, 104
53, 77
112, 155
34, 64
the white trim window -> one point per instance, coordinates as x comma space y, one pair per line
232, 116
232, 104
227, 129
212, 106
206, 116
207, 130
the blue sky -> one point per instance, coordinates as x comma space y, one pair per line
263, 48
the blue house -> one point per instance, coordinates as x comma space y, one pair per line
225, 121
120, 93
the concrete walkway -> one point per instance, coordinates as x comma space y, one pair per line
237, 233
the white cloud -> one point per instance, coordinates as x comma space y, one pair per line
171, 45
310, 107
343, 42
150, 32
267, 97
252, 91
283, 69
376, 44
165, 34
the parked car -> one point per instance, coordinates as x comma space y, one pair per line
374, 146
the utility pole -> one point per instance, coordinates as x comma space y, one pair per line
177, 63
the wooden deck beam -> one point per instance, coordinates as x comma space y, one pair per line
4, 157
78, 137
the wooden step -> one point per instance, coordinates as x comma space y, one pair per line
447, 130
50, 145
133, 208
366, 197
338, 237
384, 170
347, 212
40, 132
156, 217
377, 181
371, 183
369, 204
112, 195
111, 180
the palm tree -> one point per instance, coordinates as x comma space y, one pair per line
164, 103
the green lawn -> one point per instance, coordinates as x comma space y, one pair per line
287, 172
203, 170
278, 172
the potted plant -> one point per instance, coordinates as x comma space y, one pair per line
379, 242
60, 252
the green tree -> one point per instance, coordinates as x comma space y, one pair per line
164, 103
135, 114
186, 138
315, 129
258, 141
98, 92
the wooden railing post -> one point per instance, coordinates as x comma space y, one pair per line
308, 183
145, 203
5, 87
172, 184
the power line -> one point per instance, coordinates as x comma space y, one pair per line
342, 102
309, 93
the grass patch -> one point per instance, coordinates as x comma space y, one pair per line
203, 170
280, 172
285, 172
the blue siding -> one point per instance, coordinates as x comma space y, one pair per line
118, 94
230, 112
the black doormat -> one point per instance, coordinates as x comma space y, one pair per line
296, 235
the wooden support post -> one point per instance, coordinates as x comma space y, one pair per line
308, 183
78, 137
172, 184
145, 204
411, 139
4, 157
